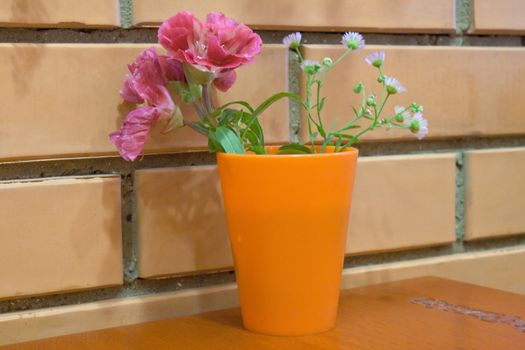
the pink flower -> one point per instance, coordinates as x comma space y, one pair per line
133, 133
147, 80
218, 44
225, 80
146, 83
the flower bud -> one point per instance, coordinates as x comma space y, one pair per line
416, 108
381, 79
358, 88
327, 61
399, 118
371, 102
311, 67
414, 125
197, 74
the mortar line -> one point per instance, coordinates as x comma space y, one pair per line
126, 13
460, 197
49, 168
463, 16
294, 113
128, 217
139, 35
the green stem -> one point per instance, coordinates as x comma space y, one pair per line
298, 51
338, 60
308, 106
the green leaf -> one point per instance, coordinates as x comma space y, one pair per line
338, 142
344, 136
271, 100
229, 141
294, 148
241, 103
321, 103
213, 143
259, 149
188, 93
348, 126
253, 132
227, 116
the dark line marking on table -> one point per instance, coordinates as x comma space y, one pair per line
482, 315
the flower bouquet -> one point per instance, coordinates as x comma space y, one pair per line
287, 206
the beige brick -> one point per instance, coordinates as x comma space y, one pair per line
500, 269
465, 91
498, 17
181, 224
62, 99
330, 15
29, 325
494, 192
59, 235
59, 13
182, 228
403, 202
496, 269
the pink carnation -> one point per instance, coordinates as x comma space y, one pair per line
146, 82
220, 43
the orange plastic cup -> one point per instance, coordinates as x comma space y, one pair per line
288, 218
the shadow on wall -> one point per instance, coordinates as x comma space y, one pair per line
23, 62
98, 217
25, 10
182, 222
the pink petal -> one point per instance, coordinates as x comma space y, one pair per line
133, 133
149, 80
215, 51
163, 102
225, 80
128, 91
177, 32
148, 70
217, 22
171, 68
251, 42
218, 57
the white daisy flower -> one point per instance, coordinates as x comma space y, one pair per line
376, 59
402, 115
419, 126
393, 86
293, 41
353, 40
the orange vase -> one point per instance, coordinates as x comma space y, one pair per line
288, 218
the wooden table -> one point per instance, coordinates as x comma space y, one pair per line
423, 313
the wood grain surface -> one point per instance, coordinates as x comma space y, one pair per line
422, 313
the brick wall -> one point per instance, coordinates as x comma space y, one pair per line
82, 230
